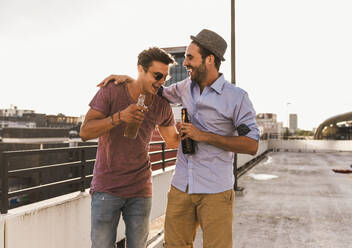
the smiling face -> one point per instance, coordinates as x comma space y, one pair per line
153, 77
194, 64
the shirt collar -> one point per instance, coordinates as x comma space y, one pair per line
218, 84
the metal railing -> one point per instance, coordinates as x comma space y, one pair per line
47, 180
164, 161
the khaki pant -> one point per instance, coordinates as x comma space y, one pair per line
185, 212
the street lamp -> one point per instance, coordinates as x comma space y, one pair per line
233, 44
233, 80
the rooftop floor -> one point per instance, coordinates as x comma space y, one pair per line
307, 205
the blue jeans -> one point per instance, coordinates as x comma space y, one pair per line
105, 215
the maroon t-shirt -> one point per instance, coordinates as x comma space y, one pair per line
122, 166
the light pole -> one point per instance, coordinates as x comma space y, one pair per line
233, 80
233, 44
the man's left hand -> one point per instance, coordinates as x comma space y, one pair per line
188, 130
117, 79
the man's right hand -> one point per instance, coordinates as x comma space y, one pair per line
117, 79
133, 114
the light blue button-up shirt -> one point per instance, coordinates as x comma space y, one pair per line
220, 109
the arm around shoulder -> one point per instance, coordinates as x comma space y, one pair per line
174, 92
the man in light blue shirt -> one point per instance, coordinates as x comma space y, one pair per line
222, 121
215, 112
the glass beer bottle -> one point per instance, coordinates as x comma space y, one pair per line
131, 129
187, 144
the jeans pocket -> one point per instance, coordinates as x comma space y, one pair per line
103, 207
104, 196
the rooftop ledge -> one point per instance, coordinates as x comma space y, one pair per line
305, 204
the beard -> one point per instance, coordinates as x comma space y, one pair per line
199, 73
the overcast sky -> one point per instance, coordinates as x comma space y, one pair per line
293, 56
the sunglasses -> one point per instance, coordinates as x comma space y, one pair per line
158, 76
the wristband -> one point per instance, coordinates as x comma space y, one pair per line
112, 120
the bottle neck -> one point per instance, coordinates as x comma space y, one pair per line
185, 116
141, 99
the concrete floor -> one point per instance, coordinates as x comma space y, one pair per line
307, 205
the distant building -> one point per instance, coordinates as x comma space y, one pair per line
61, 121
293, 123
18, 125
13, 111
19, 118
177, 72
268, 125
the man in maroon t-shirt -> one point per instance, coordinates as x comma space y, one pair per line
122, 174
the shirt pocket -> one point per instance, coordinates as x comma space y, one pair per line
213, 120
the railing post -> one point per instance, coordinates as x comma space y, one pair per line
4, 184
235, 170
163, 155
83, 171
235, 174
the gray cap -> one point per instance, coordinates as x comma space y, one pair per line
211, 41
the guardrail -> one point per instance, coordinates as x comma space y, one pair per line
45, 180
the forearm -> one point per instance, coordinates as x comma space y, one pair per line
173, 142
93, 129
170, 136
238, 144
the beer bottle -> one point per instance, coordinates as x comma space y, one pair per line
187, 144
132, 128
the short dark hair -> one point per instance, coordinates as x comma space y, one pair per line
147, 56
205, 53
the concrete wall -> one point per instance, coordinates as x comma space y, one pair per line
161, 185
311, 145
59, 222
65, 221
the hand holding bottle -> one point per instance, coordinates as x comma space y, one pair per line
133, 114
131, 130
187, 142
188, 130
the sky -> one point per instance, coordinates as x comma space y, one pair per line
291, 56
